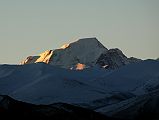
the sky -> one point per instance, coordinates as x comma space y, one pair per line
29, 27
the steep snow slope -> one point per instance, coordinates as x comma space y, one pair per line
41, 83
85, 51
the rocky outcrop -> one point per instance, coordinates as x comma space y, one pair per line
134, 60
45, 57
29, 60
113, 58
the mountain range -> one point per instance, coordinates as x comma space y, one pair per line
83, 75
86, 52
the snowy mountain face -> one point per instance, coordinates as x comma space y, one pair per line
88, 51
84, 51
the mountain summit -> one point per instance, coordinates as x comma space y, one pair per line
86, 52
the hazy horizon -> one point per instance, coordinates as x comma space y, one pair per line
29, 27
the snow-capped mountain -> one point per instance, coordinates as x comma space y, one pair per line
54, 77
85, 52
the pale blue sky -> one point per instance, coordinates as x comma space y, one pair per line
29, 27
